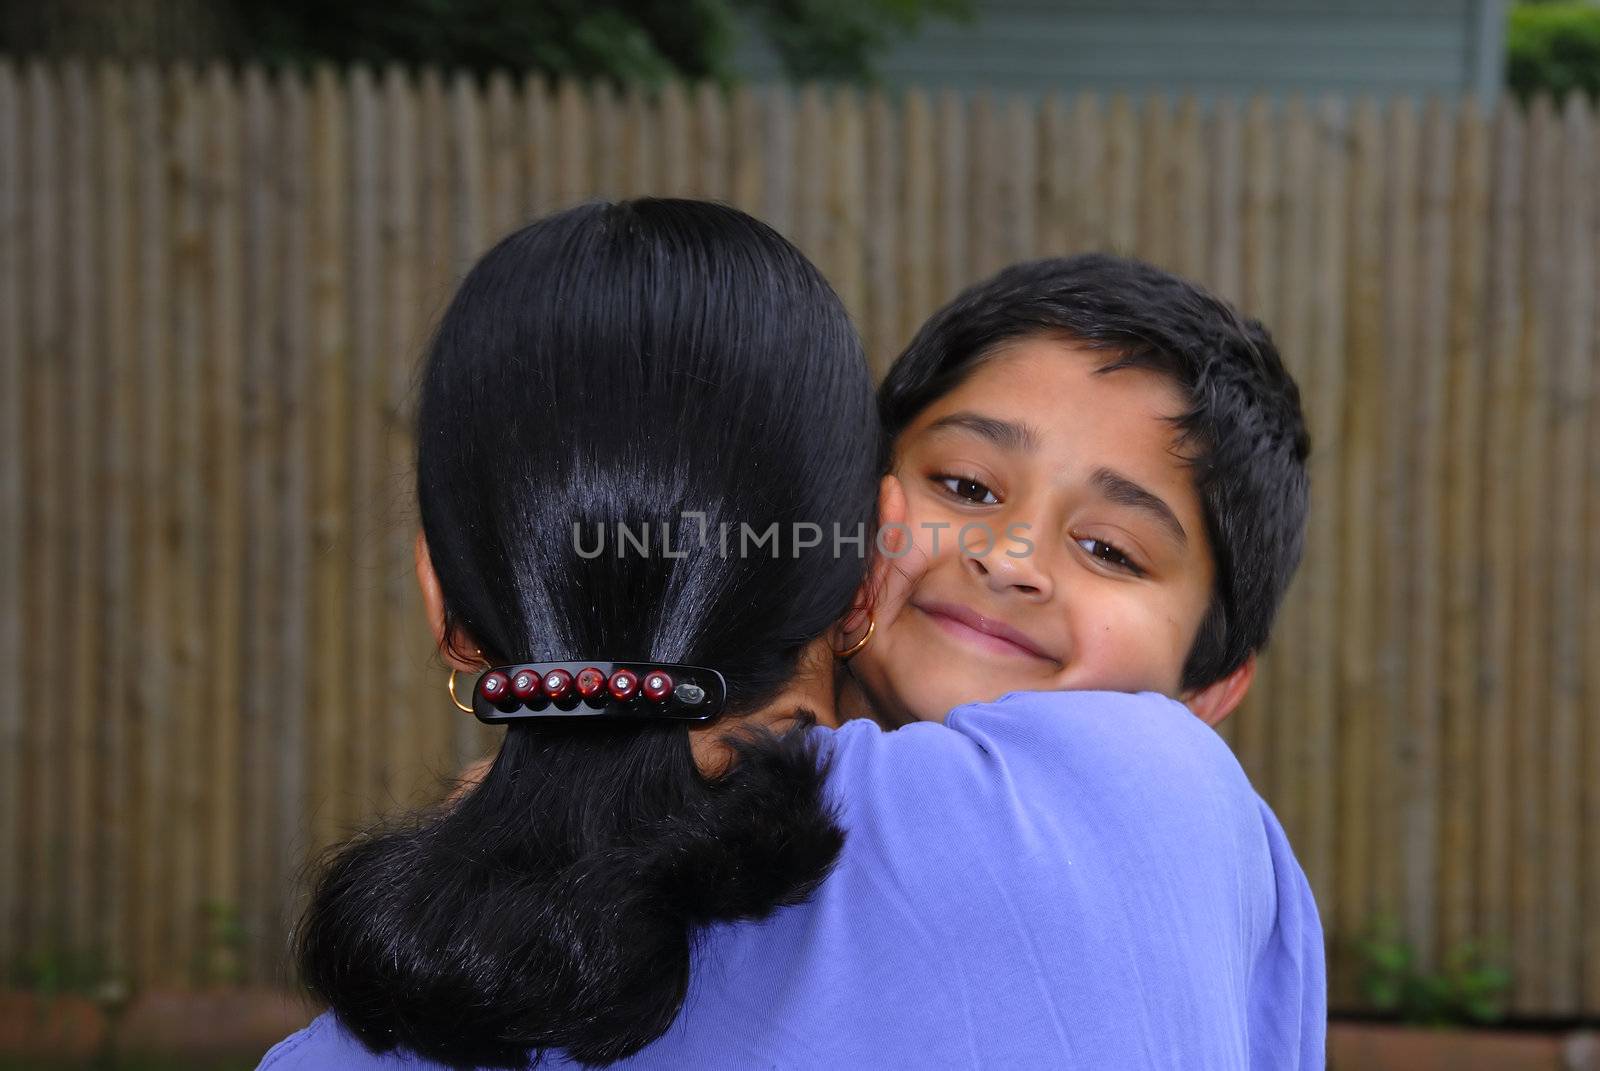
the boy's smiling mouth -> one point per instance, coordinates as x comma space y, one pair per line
984, 633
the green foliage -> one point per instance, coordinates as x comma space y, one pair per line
57, 971
645, 41
628, 42
220, 957
1465, 989
1553, 48
836, 39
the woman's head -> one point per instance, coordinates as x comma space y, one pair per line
677, 368
1127, 456
674, 367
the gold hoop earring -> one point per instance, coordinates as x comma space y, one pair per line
450, 686
855, 648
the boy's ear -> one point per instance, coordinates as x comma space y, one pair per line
892, 523
891, 501
896, 538
1218, 699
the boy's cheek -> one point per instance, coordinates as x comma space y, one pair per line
896, 563
896, 574
932, 535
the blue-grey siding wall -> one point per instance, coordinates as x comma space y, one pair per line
1209, 47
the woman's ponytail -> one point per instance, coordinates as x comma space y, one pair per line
474, 935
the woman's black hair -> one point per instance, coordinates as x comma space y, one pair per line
1243, 430
652, 362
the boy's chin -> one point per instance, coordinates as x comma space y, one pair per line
929, 701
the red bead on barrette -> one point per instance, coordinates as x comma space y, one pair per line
525, 684
495, 686
624, 685
558, 684
591, 682
657, 686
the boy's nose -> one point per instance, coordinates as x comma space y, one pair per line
1006, 574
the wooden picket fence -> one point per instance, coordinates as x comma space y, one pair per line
215, 285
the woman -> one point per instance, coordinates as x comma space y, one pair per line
1064, 879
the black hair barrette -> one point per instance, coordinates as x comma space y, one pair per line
651, 691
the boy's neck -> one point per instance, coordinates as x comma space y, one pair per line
853, 702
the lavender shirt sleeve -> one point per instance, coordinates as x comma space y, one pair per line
1119, 894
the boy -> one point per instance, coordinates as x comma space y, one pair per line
1102, 469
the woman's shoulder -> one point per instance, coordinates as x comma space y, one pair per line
325, 1045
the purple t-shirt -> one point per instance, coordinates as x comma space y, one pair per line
1054, 879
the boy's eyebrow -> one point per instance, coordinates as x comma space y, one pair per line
1006, 434
1124, 492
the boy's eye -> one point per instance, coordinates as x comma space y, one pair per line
968, 489
1110, 554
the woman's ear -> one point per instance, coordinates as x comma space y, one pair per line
433, 606
1221, 697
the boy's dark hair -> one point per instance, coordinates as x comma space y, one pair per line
1243, 430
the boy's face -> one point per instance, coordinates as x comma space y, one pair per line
1036, 448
